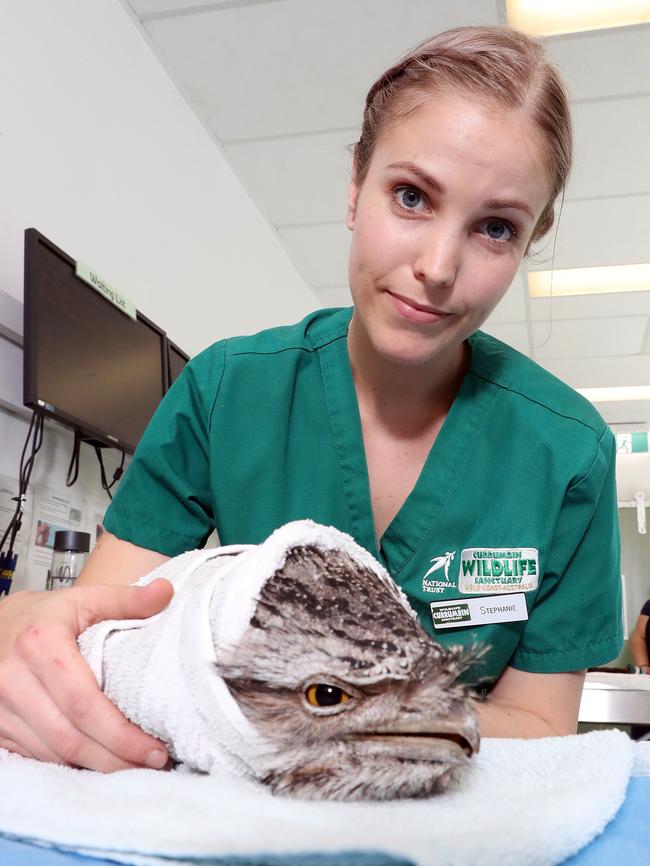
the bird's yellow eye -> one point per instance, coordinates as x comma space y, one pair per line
325, 695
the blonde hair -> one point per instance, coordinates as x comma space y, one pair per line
495, 64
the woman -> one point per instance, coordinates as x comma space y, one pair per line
481, 481
640, 640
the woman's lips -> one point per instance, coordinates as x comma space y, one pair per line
414, 312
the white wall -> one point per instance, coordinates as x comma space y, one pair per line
99, 152
633, 475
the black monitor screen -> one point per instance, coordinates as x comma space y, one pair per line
176, 360
86, 362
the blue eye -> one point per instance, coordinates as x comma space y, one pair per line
498, 230
408, 197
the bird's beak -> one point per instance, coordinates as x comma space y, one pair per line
421, 738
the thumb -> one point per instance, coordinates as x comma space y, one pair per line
122, 602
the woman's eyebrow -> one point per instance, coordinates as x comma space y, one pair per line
431, 181
502, 204
420, 174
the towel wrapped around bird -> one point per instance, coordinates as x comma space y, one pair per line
297, 662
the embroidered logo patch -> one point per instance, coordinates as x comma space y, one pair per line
433, 580
485, 570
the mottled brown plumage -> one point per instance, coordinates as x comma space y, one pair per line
395, 721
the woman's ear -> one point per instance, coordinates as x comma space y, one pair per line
353, 195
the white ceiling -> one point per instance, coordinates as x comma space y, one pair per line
280, 85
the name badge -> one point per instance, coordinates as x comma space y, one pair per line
462, 612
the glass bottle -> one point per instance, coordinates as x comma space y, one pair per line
68, 558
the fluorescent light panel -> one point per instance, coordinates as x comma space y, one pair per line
615, 395
589, 281
629, 426
548, 17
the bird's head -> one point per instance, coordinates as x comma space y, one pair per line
356, 700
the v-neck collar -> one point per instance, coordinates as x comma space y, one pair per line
424, 504
345, 421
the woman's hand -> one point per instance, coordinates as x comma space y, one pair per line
51, 707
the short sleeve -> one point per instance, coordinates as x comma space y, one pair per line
164, 500
576, 620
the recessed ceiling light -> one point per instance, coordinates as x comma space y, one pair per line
548, 17
615, 395
589, 281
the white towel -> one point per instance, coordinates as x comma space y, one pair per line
533, 802
641, 766
180, 698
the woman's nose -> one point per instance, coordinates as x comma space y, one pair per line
438, 256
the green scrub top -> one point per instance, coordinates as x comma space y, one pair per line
514, 513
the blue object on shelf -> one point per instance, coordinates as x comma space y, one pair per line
7, 567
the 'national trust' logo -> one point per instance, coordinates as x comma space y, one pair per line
440, 564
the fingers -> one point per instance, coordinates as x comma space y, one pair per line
71, 716
100, 602
10, 746
50, 735
19, 738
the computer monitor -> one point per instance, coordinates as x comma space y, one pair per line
176, 360
86, 362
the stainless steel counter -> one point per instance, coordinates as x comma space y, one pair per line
616, 699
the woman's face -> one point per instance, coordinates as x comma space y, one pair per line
440, 225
